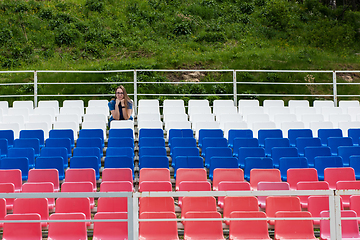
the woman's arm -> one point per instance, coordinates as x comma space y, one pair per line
115, 113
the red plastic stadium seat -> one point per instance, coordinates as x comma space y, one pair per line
74, 205
45, 175
25, 230
249, 229
231, 186
294, 229
193, 186
79, 187
109, 204
223, 174
349, 228
281, 203
12, 176
209, 230
232, 204
156, 204
155, 186
191, 174
266, 186
81, 175
295, 175
197, 204
38, 188
67, 230
117, 174
347, 185
32, 205
263, 175
110, 230
312, 185
317, 204
154, 174
332, 175
162, 230
8, 188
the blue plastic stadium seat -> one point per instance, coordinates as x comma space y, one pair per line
153, 162
355, 164
3, 147
86, 133
63, 133
151, 132
295, 133
238, 133
119, 162
28, 142
188, 162
268, 133
286, 163
179, 133
50, 163
121, 142
9, 135
335, 142
120, 151
182, 142
245, 152
213, 142
221, 162
346, 151
302, 142
90, 142
311, 152
21, 163
275, 142
243, 142
85, 162
183, 151
354, 133
153, 151
88, 151
60, 142
121, 132
216, 152
27, 152
323, 134
56, 152
151, 142
256, 162
209, 133
37, 133
278, 152
322, 162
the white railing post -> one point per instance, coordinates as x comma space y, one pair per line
135, 208
35, 89
135, 92
334, 89
130, 222
335, 217
234, 87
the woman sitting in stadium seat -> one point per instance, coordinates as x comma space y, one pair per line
121, 106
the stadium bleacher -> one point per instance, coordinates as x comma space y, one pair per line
195, 148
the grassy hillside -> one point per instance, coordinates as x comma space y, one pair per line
251, 34
167, 34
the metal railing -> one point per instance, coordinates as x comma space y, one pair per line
235, 83
133, 205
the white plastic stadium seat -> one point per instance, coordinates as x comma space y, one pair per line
327, 111
149, 109
251, 110
19, 112
277, 110
199, 110
297, 103
299, 111
20, 120
38, 125
315, 126
173, 110
175, 117
280, 118
217, 104
285, 126
177, 125
68, 118
72, 111
247, 103
148, 117
344, 126
46, 111
4, 105
150, 124
232, 125
205, 125
262, 125
50, 104
68, 125
95, 125
272, 103
319, 104
95, 118
197, 103
344, 104
336, 118
98, 110
98, 103
307, 118
353, 112
24, 104
38, 118
253, 118
74, 103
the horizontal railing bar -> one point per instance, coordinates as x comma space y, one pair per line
65, 220
66, 194
20, 71
16, 84
83, 83
184, 70
231, 219
70, 71
288, 71
282, 83
281, 95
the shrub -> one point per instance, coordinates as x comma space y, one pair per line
95, 5
66, 35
